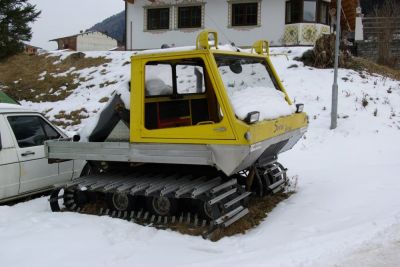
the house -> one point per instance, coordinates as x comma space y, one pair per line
30, 49
152, 23
87, 41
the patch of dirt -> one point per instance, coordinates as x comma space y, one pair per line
31, 77
258, 211
72, 118
104, 99
322, 56
361, 64
107, 83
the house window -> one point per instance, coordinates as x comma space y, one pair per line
324, 13
294, 11
309, 11
189, 17
245, 14
298, 11
158, 18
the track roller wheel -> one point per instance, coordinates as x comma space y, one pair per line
207, 211
120, 202
55, 195
273, 178
162, 206
74, 199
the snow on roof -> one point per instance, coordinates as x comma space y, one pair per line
4, 108
79, 34
166, 50
227, 47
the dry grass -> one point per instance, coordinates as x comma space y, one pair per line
258, 211
361, 64
20, 76
104, 99
107, 83
75, 117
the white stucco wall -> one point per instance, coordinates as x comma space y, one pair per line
272, 22
95, 41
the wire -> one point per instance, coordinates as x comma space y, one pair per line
219, 29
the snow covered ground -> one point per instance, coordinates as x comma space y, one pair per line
346, 211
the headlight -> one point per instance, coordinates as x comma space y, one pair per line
252, 117
299, 108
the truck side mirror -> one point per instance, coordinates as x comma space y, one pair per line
199, 80
236, 67
1, 144
76, 138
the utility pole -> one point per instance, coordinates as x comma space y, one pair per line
335, 85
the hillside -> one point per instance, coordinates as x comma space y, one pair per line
67, 87
113, 26
345, 212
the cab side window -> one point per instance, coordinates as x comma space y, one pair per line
190, 79
31, 130
158, 80
179, 93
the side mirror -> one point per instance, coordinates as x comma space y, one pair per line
299, 108
199, 80
236, 67
1, 144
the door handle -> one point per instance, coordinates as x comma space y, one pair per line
28, 153
220, 129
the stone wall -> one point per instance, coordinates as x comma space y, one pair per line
369, 50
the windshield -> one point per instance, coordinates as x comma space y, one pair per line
251, 87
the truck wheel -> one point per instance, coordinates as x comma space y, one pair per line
90, 168
87, 170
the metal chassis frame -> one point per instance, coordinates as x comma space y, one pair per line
228, 158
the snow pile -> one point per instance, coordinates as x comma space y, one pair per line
10, 106
268, 101
157, 87
251, 88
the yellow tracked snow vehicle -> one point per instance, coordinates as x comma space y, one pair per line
202, 134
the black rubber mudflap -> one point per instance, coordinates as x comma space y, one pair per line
109, 118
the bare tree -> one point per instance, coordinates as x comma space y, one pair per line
387, 16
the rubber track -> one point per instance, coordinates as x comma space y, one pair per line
221, 193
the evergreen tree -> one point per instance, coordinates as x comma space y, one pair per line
15, 16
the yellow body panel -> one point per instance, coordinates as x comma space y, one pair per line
229, 130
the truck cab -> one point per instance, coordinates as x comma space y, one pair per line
227, 99
24, 169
